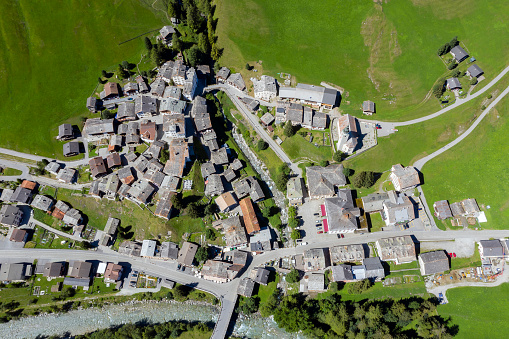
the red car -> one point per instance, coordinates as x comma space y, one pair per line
342, 235
319, 232
453, 255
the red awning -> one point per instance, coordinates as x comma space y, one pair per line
322, 207
325, 225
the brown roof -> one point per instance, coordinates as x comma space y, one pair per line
225, 200
58, 214
111, 88
148, 130
113, 160
18, 235
97, 166
249, 216
113, 271
28, 184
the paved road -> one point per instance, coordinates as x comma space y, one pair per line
238, 93
253, 120
16, 165
420, 163
74, 163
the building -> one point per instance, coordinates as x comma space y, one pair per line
97, 167
341, 215
113, 273
148, 248
42, 202
442, 210
249, 216
248, 186
261, 275
72, 217
131, 248
92, 104
311, 95
457, 209
347, 253
15, 272
404, 178
374, 269
67, 175
166, 34
459, 53
216, 271
214, 185
22, 195
347, 127
11, 215
96, 127
236, 80
141, 191
53, 167
157, 88
54, 270
342, 273
172, 106
453, 84
316, 259
491, 249
319, 121
219, 157
65, 132
19, 235
111, 91
398, 249
398, 209
323, 181
145, 106
246, 287
79, 269
164, 205
267, 119
207, 169
374, 202
222, 75
295, 114
71, 149
168, 250
474, 71
470, 207
130, 88
172, 92
60, 209
433, 262
178, 150
265, 88
295, 188
368, 107
312, 282
234, 232
125, 174
174, 126
226, 202
126, 111
261, 241
113, 160
142, 85
187, 253
111, 226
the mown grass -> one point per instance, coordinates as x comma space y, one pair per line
10, 171
373, 51
51, 54
480, 312
476, 168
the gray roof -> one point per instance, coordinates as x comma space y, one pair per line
442, 209
214, 185
91, 102
399, 208
234, 231
199, 106
164, 205
459, 53
10, 215
295, 113
157, 87
236, 165
95, 126
207, 169
368, 106
187, 253
248, 186
141, 190
229, 175
202, 122
475, 71
77, 281
169, 250
246, 287
342, 273
347, 253
374, 268
145, 104
339, 216
316, 259
265, 84
453, 83
401, 249
67, 175
323, 180
492, 248
22, 195
148, 248
14, 272
237, 80
42, 202
267, 118
311, 93
65, 131
433, 262
219, 157
172, 105
80, 269
71, 147
172, 92
319, 120
6, 195
470, 206
295, 188
53, 167
130, 87
223, 73
126, 111
130, 248
111, 226
457, 209
374, 202
405, 176
125, 174
166, 31
262, 275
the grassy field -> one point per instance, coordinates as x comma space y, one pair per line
479, 312
374, 51
51, 54
10, 171
476, 168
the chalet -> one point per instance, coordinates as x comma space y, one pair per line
295, 114
71, 149
111, 91
111, 226
374, 202
60, 209
53, 167
234, 232
368, 107
131, 88
236, 165
187, 253
168, 250
261, 275
229, 175
165, 71
453, 84
207, 169
97, 167
54, 270
65, 132
142, 85
178, 150
470, 207
111, 187
113, 160
216, 271
67, 175
164, 205
99, 128
155, 149
214, 185
226, 202
236, 80
11, 215
115, 143
433, 262
15, 272
170, 183
92, 104
148, 131
166, 33
113, 273
222, 75
145, 106
72, 217
246, 287
126, 111
474, 71
404, 178
295, 191
22, 195
248, 186
42, 202
459, 53
141, 191
442, 210
157, 87
219, 157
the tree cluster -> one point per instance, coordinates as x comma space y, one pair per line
364, 179
282, 177
40, 167
359, 287
202, 254
446, 48
293, 276
289, 130
438, 89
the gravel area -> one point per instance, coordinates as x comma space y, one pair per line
463, 247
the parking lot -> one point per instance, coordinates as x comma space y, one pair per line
310, 213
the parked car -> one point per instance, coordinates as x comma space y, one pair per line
318, 221
342, 235
319, 232
178, 267
377, 126
303, 243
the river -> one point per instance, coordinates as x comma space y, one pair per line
91, 319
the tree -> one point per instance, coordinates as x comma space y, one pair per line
338, 156
176, 202
289, 130
281, 180
192, 18
452, 65
203, 44
211, 209
148, 43
295, 234
442, 50
248, 67
359, 286
68, 292
121, 72
194, 56
249, 306
292, 223
324, 163
438, 89
262, 145
106, 114
454, 42
176, 44
347, 172
125, 64
364, 179
293, 276
210, 234
104, 73
173, 8
193, 211
292, 212
210, 30
473, 81
165, 156
180, 292
456, 73
202, 254
215, 53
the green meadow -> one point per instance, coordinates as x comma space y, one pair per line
385, 52
51, 54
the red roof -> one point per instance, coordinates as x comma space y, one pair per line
322, 207
325, 225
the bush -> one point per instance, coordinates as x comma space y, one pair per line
359, 286
202, 254
324, 163
289, 130
193, 211
348, 172
338, 156
490, 96
456, 73
262, 145
295, 235
364, 179
473, 81
452, 65
293, 276
210, 234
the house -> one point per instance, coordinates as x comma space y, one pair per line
319, 121
222, 75
154, 151
142, 85
315, 96
92, 104
202, 122
130, 88
111, 91
28, 184
113, 160
261, 275
374, 202
295, 191
433, 262
316, 259
491, 249
178, 150
235, 235
157, 88
265, 88
60, 209
267, 119
71, 149
323, 181
141, 191
141, 164
374, 268
214, 185
207, 169
67, 175
246, 287
168, 250
153, 173
404, 178
172, 92
341, 213
281, 108
474, 71
170, 183
347, 127
145, 106
187, 253
442, 210
148, 248
261, 241
236, 81
236, 165
457, 209
53, 167
398, 249
96, 127
368, 107
65, 132
15, 272
126, 111
203, 72
111, 226
76, 282
229, 175
164, 205
113, 273
42, 202
459, 53
216, 271
295, 114
19, 235
453, 84
249, 216
131, 248
471, 208
174, 126
398, 209
307, 118
190, 84
342, 273
219, 157
248, 186
313, 282
165, 71
166, 33
148, 131
79, 269
125, 174
53, 270
22, 195
97, 167
252, 104
226, 202
172, 106
347, 253
6, 195
72, 217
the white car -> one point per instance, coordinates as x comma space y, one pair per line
303, 243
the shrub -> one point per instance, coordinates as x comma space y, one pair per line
262, 145
452, 65
289, 130
338, 156
490, 96
293, 276
359, 286
473, 81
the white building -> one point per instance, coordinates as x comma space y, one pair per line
265, 88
